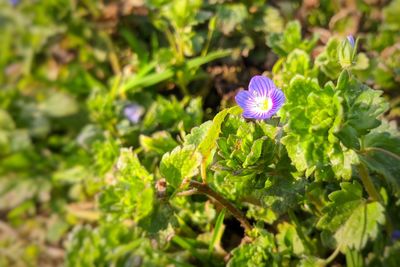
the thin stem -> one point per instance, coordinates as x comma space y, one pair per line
115, 65
373, 193
368, 184
203, 171
171, 40
182, 84
389, 153
205, 189
187, 193
180, 44
209, 37
184, 89
332, 256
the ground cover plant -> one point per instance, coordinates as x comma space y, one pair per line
199, 133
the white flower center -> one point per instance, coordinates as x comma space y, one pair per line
263, 104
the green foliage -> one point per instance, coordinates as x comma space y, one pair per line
130, 193
231, 16
181, 163
351, 218
381, 155
259, 253
340, 54
314, 114
168, 114
89, 247
290, 39
159, 143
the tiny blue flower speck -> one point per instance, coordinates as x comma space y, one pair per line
350, 38
396, 235
262, 100
14, 2
133, 112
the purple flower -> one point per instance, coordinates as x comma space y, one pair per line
396, 235
133, 112
350, 38
14, 2
262, 100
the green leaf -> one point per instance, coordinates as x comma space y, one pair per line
349, 137
345, 54
351, 217
288, 239
128, 165
260, 252
354, 258
197, 134
272, 21
59, 104
365, 109
298, 62
361, 226
213, 55
361, 106
342, 204
180, 163
186, 244
390, 14
283, 193
382, 155
160, 219
159, 142
137, 82
327, 61
313, 116
130, 194
388, 258
230, 16
212, 134
217, 232
284, 43
6, 122
311, 261
110, 244
255, 152
361, 62
170, 113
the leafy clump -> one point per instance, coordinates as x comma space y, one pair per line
351, 218
180, 164
130, 193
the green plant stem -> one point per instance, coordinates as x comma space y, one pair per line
390, 154
373, 193
332, 256
203, 171
182, 83
368, 184
114, 62
184, 89
206, 190
209, 37
171, 40
306, 242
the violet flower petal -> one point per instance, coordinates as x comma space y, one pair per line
262, 100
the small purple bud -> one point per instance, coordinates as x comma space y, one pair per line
14, 2
133, 112
396, 235
350, 38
